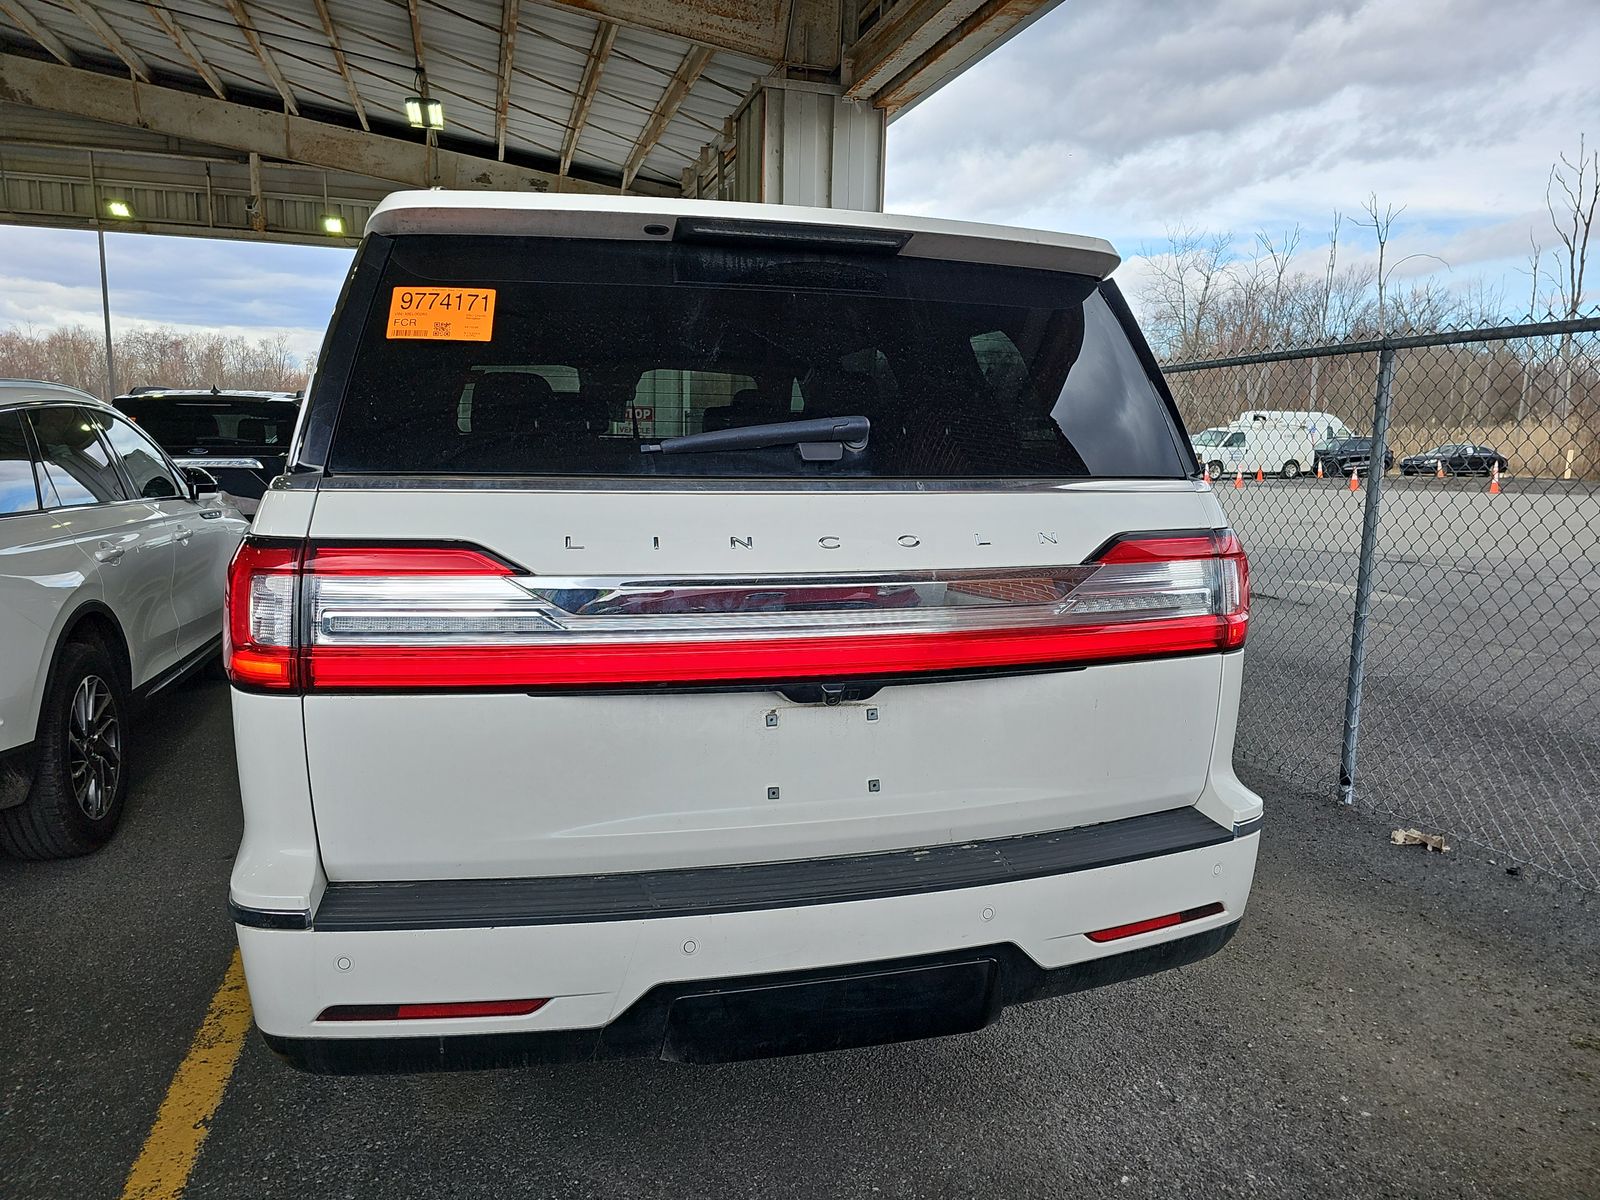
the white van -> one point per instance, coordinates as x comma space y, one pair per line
1285, 451
704, 630
1318, 426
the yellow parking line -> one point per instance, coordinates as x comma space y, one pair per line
162, 1169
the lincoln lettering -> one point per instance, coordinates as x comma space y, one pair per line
829, 541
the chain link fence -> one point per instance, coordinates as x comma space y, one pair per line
1425, 639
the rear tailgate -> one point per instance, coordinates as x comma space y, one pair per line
451, 784
538, 639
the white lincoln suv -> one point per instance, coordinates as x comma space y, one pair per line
111, 570
709, 630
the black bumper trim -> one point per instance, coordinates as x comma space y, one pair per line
1246, 828
632, 896
763, 1016
269, 918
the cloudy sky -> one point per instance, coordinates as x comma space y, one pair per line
1121, 118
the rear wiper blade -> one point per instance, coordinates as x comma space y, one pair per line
820, 439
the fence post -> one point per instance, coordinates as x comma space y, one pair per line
1369, 552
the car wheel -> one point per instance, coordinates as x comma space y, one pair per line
1215, 467
1291, 470
80, 775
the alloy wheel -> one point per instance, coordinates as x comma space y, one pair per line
94, 746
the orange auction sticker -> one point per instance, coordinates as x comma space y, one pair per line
444, 314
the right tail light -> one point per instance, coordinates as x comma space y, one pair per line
398, 616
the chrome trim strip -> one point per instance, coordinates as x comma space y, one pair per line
246, 464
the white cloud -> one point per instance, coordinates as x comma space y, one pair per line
1123, 119
51, 278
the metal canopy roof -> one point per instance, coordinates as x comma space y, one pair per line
569, 95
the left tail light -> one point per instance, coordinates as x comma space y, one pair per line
415, 617
259, 602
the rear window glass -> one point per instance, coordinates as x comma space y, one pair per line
599, 350
189, 423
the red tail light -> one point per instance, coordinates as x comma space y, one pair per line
330, 617
259, 600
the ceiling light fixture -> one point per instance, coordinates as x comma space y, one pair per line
424, 112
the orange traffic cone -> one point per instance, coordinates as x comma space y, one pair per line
1205, 472
1494, 481
1238, 477
1441, 469
1260, 478
1319, 468
1354, 486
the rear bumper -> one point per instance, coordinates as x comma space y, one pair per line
712, 985
728, 1020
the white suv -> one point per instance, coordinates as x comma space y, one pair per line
709, 630
111, 570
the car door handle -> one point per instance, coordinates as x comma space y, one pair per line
107, 553
183, 534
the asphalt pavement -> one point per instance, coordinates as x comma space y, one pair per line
1388, 1022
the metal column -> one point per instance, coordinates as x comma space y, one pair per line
1370, 518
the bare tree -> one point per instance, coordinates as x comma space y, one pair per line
1187, 278
1330, 274
1381, 224
1571, 195
1535, 270
159, 357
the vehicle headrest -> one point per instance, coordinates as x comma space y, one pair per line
505, 401
253, 429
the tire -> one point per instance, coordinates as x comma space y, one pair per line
1215, 467
1291, 470
83, 735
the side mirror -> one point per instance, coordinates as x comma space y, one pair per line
201, 482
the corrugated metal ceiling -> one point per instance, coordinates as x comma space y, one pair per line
461, 42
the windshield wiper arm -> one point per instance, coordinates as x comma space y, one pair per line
820, 439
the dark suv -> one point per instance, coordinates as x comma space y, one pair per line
1340, 455
240, 438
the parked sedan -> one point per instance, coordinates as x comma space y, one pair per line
1338, 456
1457, 458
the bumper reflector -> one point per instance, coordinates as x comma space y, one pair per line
1150, 924
431, 1012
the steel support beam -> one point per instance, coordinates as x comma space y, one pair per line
31, 26
273, 135
332, 34
195, 191
605, 35
508, 57
268, 64
925, 43
180, 39
110, 37
757, 28
682, 80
